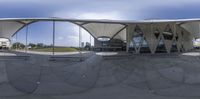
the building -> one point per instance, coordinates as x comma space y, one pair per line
4, 43
109, 45
139, 36
158, 38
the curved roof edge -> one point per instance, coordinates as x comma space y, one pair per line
96, 27
102, 20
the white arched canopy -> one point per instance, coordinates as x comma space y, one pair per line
8, 28
97, 28
103, 29
192, 27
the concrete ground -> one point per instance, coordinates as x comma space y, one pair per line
100, 76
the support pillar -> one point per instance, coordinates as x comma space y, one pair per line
90, 43
16, 42
153, 47
26, 49
53, 49
175, 33
80, 47
127, 39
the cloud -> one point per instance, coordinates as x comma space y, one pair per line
126, 9
72, 41
60, 38
109, 9
96, 9
91, 15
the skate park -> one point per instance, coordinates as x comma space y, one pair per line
131, 69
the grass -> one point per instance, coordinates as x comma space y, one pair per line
56, 49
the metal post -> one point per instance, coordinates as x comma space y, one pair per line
80, 47
90, 43
127, 39
16, 43
26, 38
53, 37
11, 43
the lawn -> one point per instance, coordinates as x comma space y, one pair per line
56, 49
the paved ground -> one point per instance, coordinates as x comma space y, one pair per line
51, 53
113, 76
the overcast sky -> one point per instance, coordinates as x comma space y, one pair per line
93, 9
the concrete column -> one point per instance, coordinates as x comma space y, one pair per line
26, 39
90, 42
80, 39
127, 38
16, 42
151, 46
53, 52
175, 33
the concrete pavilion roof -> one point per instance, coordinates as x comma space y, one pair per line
97, 28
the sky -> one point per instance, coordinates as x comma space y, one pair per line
67, 33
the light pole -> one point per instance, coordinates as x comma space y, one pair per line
26, 38
53, 52
80, 47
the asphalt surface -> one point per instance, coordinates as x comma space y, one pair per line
100, 76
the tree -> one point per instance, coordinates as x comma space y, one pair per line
18, 45
40, 45
32, 45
